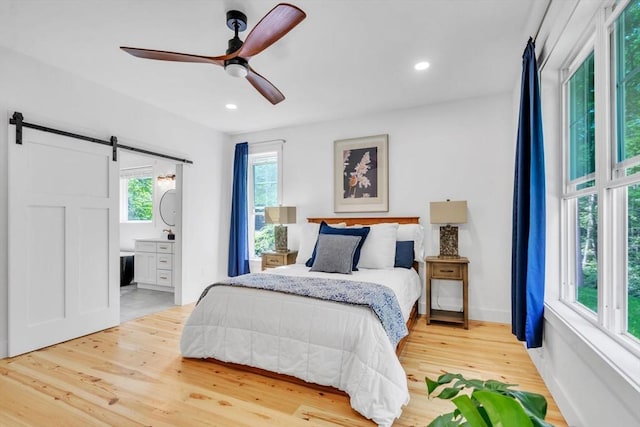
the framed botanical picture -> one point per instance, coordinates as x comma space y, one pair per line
361, 174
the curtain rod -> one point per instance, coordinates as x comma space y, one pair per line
268, 140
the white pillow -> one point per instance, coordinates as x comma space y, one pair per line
413, 232
379, 248
308, 237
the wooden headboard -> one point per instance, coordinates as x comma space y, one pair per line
368, 220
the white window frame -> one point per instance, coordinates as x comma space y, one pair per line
610, 183
125, 175
257, 151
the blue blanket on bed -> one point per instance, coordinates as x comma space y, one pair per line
379, 298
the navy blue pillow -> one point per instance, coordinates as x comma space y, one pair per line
404, 254
363, 232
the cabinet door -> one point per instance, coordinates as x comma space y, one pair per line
144, 267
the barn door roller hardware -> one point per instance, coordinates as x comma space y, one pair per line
18, 120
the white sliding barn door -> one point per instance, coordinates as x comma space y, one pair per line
63, 240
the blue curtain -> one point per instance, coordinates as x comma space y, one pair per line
528, 240
239, 233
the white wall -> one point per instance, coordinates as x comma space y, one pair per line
460, 151
59, 99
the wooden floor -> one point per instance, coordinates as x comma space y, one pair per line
134, 375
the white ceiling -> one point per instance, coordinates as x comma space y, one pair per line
347, 58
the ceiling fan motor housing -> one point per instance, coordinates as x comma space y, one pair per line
234, 44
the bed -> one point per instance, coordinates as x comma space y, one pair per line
312, 340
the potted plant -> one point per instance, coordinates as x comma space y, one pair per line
486, 403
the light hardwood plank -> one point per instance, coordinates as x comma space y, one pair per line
134, 375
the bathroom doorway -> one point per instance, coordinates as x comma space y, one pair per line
150, 214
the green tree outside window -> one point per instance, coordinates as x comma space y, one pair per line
140, 199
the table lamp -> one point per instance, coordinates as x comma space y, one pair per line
280, 215
449, 212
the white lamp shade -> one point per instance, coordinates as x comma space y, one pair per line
280, 215
449, 212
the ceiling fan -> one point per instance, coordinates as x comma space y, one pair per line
271, 28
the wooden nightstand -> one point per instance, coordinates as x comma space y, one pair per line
276, 259
448, 269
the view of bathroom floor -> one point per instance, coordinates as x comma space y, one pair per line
136, 302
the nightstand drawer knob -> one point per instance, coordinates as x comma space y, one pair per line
447, 271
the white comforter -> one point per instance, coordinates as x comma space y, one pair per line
322, 342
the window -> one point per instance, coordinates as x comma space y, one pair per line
602, 179
136, 194
627, 160
264, 190
581, 181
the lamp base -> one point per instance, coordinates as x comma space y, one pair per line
280, 234
449, 242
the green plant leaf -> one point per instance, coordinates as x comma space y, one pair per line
444, 420
478, 384
503, 410
447, 378
497, 385
470, 412
431, 385
537, 422
448, 393
534, 402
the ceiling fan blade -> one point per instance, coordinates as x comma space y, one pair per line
271, 28
265, 87
171, 56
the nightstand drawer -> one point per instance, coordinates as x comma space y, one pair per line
276, 259
447, 271
273, 260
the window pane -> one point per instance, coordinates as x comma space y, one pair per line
265, 193
140, 199
586, 258
582, 121
588, 184
265, 184
628, 83
633, 260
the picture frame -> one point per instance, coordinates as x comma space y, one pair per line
361, 174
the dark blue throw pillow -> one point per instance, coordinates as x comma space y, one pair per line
327, 229
404, 254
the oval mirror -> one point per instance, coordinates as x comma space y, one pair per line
168, 207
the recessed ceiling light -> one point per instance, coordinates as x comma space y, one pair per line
231, 107
423, 65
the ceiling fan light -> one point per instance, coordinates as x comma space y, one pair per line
236, 70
